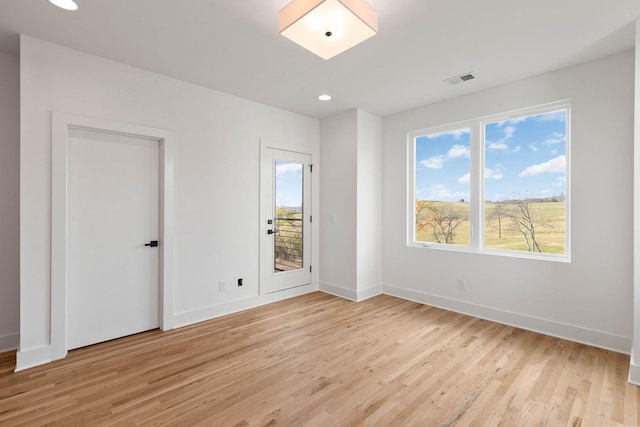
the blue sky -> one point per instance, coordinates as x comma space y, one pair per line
288, 184
524, 156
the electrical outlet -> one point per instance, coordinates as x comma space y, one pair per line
240, 281
461, 285
222, 285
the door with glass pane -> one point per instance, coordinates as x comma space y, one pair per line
286, 219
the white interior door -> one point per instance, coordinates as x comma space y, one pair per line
287, 218
113, 208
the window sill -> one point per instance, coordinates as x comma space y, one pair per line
491, 252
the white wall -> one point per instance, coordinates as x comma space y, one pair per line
587, 300
369, 197
216, 167
338, 204
350, 205
9, 201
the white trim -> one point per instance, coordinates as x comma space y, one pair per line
411, 176
166, 231
208, 313
351, 295
315, 211
338, 291
594, 338
371, 292
61, 123
9, 342
33, 357
634, 370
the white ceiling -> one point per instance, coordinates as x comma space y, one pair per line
234, 46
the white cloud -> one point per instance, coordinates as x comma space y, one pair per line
561, 182
457, 134
555, 165
440, 192
533, 147
508, 132
557, 138
501, 144
458, 151
490, 174
288, 168
511, 122
498, 146
435, 162
548, 117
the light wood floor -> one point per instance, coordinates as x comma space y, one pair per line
318, 360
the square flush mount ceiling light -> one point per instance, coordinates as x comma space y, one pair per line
328, 27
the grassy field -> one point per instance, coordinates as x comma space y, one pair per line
502, 234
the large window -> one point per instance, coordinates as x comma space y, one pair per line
496, 184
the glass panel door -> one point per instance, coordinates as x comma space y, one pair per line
286, 240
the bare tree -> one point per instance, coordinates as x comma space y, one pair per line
440, 221
497, 214
521, 214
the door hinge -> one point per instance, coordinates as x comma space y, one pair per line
309, 269
310, 218
311, 168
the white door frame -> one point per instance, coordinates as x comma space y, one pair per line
61, 123
265, 270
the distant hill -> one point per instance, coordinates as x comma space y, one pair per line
291, 208
550, 199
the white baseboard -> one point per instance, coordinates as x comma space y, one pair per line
350, 294
208, 313
634, 371
9, 342
367, 293
594, 338
33, 357
339, 291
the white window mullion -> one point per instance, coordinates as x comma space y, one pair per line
477, 177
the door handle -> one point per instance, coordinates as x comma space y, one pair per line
152, 243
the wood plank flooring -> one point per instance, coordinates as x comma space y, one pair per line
318, 360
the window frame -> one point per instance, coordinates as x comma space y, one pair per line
477, 166
412, 136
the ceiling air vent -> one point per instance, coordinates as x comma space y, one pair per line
459, 79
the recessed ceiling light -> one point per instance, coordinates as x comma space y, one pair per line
324, 97
65, 4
